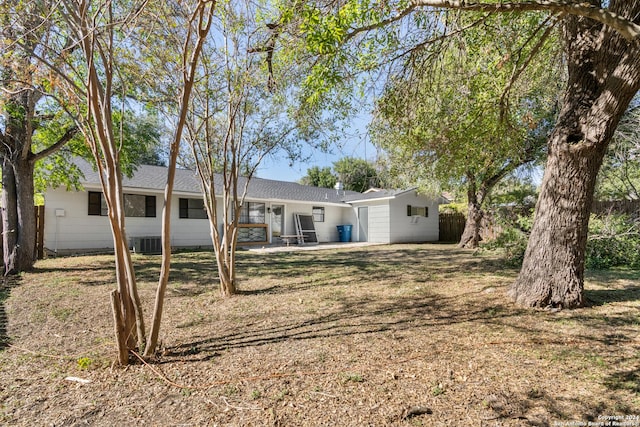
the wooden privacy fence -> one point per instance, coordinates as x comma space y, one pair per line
629, 207
451, 226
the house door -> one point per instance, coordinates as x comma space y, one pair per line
363, 224
277, 221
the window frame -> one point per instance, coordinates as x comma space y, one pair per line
95, 209
95, 204
318, 213
185, 209
246, 210
416, 211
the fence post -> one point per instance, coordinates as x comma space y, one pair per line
39, 232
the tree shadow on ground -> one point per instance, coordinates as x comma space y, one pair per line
5, 290
354, 317
613, 275
375, 265
598, 297
506, 405
624, 379
360, 316
198, 271
98, 273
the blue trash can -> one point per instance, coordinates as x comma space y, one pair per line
344, 233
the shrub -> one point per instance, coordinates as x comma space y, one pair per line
614, 241
512, 241
454, 208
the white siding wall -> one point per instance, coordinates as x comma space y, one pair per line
77, 230
389, 223
326, 231
413, 229
379, 221
185, 232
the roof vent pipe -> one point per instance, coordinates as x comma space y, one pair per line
338, 187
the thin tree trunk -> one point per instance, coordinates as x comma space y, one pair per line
126, 301
225, 260
120, 333
604, 75
203, 19
105, 149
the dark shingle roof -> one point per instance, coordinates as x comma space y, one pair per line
377, 194
186, 181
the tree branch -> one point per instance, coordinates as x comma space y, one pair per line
68, 135
397, 17
627, 28
517, 72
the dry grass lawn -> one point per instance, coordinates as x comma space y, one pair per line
384, 335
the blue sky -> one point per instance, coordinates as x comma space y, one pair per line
355, 143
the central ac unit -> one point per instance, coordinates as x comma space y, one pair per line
147, 245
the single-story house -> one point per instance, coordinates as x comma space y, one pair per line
76, 221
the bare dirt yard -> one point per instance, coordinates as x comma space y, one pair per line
401, 335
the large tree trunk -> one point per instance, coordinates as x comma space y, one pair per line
471, 235
19, 222
604, 75
478, 188
552, 273
26, 243
9, 218
18, 219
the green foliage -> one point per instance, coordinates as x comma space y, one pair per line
323, 32
357, 174
448, 115
56, 169
437, 390
514, 191
512, 241
245, 100
314, 36
353, 377
140, 144
453, 208
319, 177
614, 241
139, 136
84, 363
619, 177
